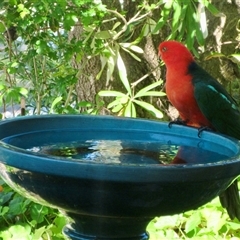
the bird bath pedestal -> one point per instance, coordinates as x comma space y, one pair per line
112, 175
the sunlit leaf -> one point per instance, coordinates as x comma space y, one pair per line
116, 25
199, 36
128, 110
143, 91
20, 232
118, 101
151, 93
176, 15
117, 108
193, 221
2, 87
85, 104
165, 13
110, 93
111, 66
203, 20
123, 73
167, 221
150, 108
214, 55
125, 44
235, 58
132, 54
55, 102
23, 91
136, 49
234, 225
103, 60
211, 8
214, 221
114, 103
134, 112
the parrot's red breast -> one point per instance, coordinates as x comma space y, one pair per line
179, 87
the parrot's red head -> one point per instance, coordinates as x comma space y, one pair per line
173, 52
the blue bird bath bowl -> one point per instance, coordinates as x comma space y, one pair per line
113, 175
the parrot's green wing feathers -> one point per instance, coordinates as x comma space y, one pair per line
215, 103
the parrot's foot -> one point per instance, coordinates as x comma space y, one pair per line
201, 129
178, 122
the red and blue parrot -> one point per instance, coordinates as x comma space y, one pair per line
201, 102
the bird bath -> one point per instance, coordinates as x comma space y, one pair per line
113, 175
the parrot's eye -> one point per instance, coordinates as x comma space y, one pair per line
164, 49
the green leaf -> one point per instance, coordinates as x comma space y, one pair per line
134, 112
150, 108
152, 24
143, 91
69, 20
235, 58
191, 26
39, 232
55, 102
103, 34
116, 25
114, 103
214, 55
85, 104
123, 74
211, 8
20, 232
111, 93
2, 87
2, 28
38, 212
165, 13
167, 221
23, 91
144, 32
128, 110
193, 221
151, 94
3, 210
234, 226
132, 54
103, 60
214, 221
117, 108
176, 15
118, 101
199, 36
111, 65
20, 7
136, 49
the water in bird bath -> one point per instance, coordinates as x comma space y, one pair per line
111, 151
118, 147
127, 152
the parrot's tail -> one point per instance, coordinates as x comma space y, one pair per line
230, 200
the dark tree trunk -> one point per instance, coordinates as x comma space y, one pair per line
88, 87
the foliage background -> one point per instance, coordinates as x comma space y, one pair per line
100, 57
